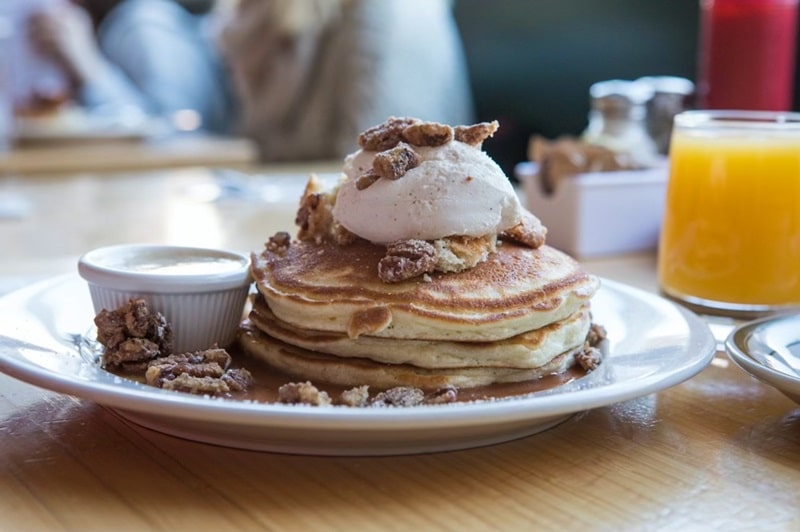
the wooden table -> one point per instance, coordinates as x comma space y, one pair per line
179, 150
720, 451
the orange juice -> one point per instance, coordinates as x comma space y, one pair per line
731, 231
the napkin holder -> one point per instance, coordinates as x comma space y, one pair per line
599, 213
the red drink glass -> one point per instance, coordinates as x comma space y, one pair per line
747, 54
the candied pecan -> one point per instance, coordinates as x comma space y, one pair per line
137, 318
279, 242
198, 372
215, 354
448, 394
197, 385
303, 393
133, 320
161, 333
238, 380
157, 374
428, 134
589, 358
315, 214
385, 135
529, 231
367, 179
399, 396
111, 328
406, 259
358, 396
395, 162
597, 333
308, 203
475, 134
130, 350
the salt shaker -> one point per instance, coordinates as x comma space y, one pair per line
672, 95
617, 120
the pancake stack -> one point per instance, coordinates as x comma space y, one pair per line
324, 312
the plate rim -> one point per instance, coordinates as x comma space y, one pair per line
740, 355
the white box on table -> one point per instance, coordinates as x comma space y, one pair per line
599, 213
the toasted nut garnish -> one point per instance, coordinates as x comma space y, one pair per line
428, 134
279, 243
529, 231
406, 259
386, 135
475, 134
395, 162
366, 179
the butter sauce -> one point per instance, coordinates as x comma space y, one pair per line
185, 265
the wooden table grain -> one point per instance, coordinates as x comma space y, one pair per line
96, 155
719, 451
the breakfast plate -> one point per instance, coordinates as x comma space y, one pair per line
769, 349
652, 344
74, 124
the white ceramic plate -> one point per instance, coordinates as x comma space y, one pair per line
75, 124
653, 345
769, 349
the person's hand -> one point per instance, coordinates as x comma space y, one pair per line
65, 34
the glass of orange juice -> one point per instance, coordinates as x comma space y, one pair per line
730, 238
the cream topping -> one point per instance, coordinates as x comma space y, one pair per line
456, 190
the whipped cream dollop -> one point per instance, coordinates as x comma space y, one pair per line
457, 189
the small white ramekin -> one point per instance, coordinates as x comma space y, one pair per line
201, 292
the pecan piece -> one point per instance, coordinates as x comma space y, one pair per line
279, 242
238, 380
589, 358
305, 393
399, 396
197, 385
130, 350
366, 179
428, 134
475, 134
111, 328
597, 333
358, 396
529, 231
138, 319
305, 213
157, 374
395, 162
132, 333
315, 214
406, 259
386, 135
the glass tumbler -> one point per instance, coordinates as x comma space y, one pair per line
730, 238
746, 56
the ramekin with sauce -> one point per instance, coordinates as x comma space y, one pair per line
200, 291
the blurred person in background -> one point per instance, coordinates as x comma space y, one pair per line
309, 75
150, 55
306, 75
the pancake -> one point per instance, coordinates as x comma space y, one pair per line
528, 350
318, 367
335, 288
